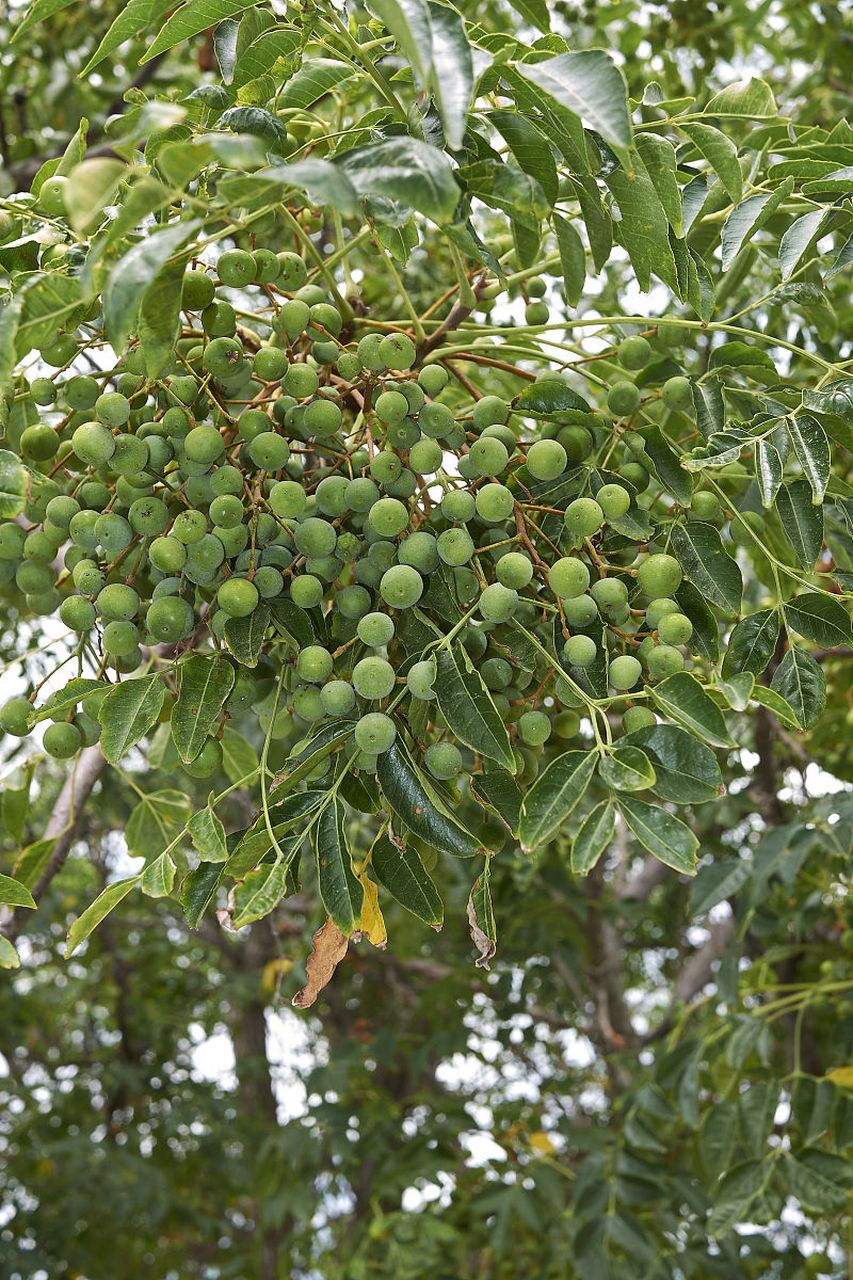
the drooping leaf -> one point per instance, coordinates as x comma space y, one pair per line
409, 23
666, 837
407, 170
801, 520
135, 272
263, 889
481, 918
14, 485
158, 877
127, 713
797, 239
589, 84
572, 258
736, 1191
467, 706
411, 797
768, 472
658, 156
812, 449
746, 218
752, 643
452, 71
191, 18
401, 871
328, 948
553, 795
208, 835
340, 890
721, 154
244, 636
802, 683
205, 683
819, 617
96, 911
15, 894
595, 835
700, 552
682, 697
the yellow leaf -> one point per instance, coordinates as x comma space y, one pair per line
372, 921
274, 970
842, 1076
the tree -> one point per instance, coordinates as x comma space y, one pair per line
426, 521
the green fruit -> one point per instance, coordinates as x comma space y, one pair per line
494, 503
583, 517
43, 391
568, 577
433, 378
455, 547
420, 680
624, 672
436, 421
189, 527
207, 762
203, 445
169, 619
337, 698
93, 443
613, 500
443, 760
78, 613
580, 611
292, 271
270, 364
391, 407
425, 457
51, 199
659, 575
675, 628
489, 411
118, 602
197, 291
388, 517
314, 664
268, 451
112, 408
637, 718
301, 380
536, 313
623, 399
315, 537
401, 586
148, 517
62, 741
375, 733
237, 597
322, 418
580, 651
567, 724
267, 266
373, 678
236, 268
705, 506
488, 456
287, 499
534, 728
223, 357
120, 639
397, 351
39, 442
577, 442
514, 570
306, 591
498, 603
376, 630
664, 660
634, 353
15, 717
546, 459
677, 393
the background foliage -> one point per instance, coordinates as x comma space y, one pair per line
653, 1078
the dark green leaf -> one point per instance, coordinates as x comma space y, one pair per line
721, 154
707, 564
127, 713
401, 871
665, 837
531, 151
589, 84
467, 707
716, 882
15, 894
768, 472
340, 891
198, 891
819, 617
627, 769
801, 682
595, 835
244, 636
500, 793
658, 156
553, 796
801, 520
416, 802
452, 71
192, 17
205, 683
572, 259
671, 475
682, 697
705, 640
752, 643
735, 1193
812, 449
407, 170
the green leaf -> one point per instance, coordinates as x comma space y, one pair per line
845, 257
155, 821
819, 617
774, 702
401, 871
263, 53
14, 485
797, 239
239, 757
193, 17
682, 697
553, 796
90, 188
51, 301
466, 705
225, 48
572, 259
452, 71
244, 636
757, 1107
205, 683
38, 11
709, 405
658, 156
812, 449
752, 643
499, 792
408, 21
665, 837
718, 1137
416, 802
595, 835
481, 917
158, 877
821, 1181
530, 149
801, 682
134, 273
627, 769
15, 894
716, 882
735, 1193
746, 218
135, 16
258, 122
9, 958
262, 890
96, 911
700, 552
341, 893
292, 622
307, 755
750, 98
589, 84
542, 399
768, 472
705, 640
158, 325
33, 859
257, 842
127, 713
504, 187
198, 891
643, 228
406, 170
208, 835
721, 154
801, 520
314, 79
533, 11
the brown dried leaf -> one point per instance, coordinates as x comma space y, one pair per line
328, 948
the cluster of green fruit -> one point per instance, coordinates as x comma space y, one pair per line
347, 490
